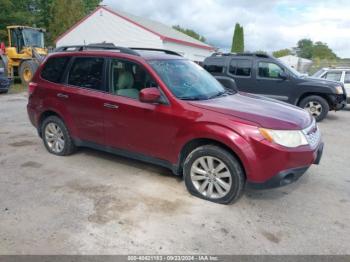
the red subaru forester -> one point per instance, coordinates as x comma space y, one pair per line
156, 106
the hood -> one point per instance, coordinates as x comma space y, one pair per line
321, 81
265, 112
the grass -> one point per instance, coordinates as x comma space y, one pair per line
17, 88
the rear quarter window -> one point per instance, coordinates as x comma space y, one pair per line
54, 68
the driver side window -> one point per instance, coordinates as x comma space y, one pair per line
269, 70
128, 79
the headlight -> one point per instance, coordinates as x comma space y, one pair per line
339, 90
287, 138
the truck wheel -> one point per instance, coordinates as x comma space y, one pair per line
317, 106
213, 174
27, 70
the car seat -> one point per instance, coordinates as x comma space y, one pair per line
125, 85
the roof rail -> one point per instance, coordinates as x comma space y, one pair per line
241, 54
168, 52
222, 54
102, 46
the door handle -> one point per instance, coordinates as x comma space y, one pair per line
60, 95
111, 106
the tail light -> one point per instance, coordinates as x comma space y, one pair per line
31, 88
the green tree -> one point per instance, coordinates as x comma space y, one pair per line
90, 5
238, 39
322, 51
305, 48
64, 14
17, 12
190, 33
282, 52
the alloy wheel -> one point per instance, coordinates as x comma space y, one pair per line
315, 108
54, 137
211, 177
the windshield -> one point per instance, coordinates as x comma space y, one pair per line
33, 38
187, 80
292, 70
318, 73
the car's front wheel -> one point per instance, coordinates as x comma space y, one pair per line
317, 106
56, 136
214, 174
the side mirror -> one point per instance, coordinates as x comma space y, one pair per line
150, 95
283, 75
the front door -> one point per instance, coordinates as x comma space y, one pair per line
269, 83
131, 125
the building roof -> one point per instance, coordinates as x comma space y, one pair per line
166, 33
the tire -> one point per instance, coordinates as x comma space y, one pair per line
64, 148
27, 70
231, 174
4, 91
317, 106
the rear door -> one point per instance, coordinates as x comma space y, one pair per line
269, 83
83, 96
240, 70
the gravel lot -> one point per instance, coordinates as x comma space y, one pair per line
98, 203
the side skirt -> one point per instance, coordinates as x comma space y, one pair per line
125, 153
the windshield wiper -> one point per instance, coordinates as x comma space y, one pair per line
193, 98
222, 93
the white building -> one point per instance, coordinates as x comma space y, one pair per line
123, 29
300, 64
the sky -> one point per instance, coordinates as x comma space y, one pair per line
269, 25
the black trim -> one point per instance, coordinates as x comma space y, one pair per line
128, 154
281, 179
319, 154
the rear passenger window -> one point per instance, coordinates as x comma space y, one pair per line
214, 68
87, 72
240, 67
215, 65
54, 68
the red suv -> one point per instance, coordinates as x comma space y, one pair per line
160, 108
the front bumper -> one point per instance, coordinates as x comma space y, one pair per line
338, 102
288, 176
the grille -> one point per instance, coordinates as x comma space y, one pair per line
312, 134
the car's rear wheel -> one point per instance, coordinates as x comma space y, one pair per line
317, 106
214, 174
56, 136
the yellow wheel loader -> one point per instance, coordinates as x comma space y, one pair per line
24, 53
